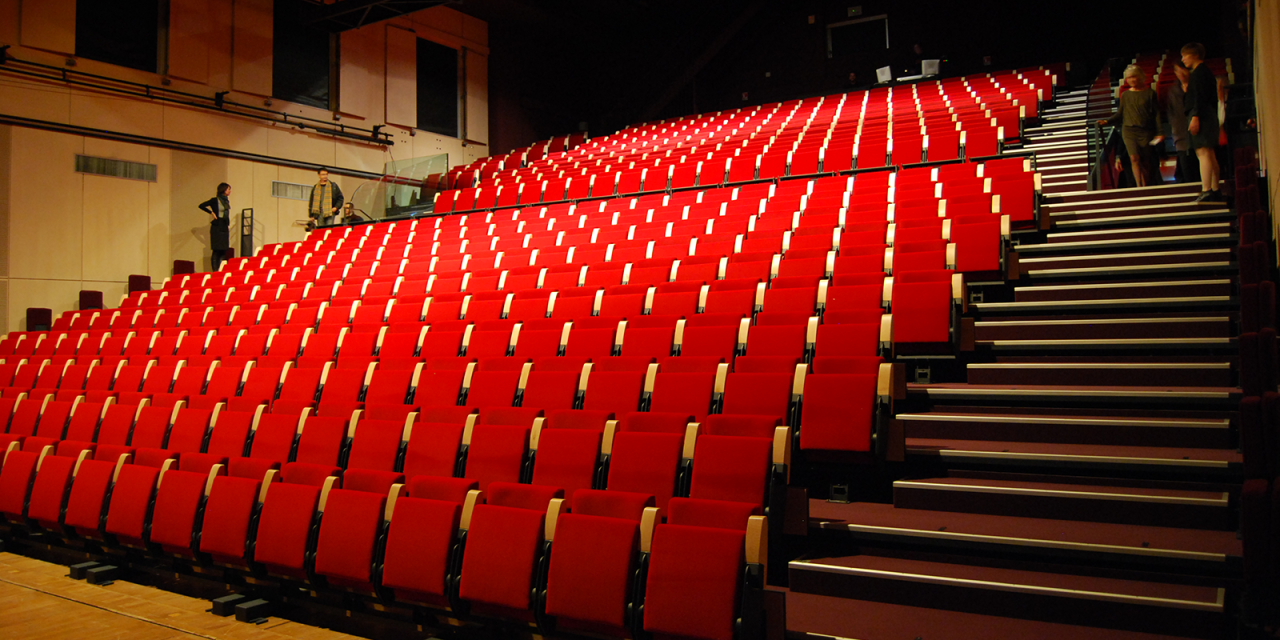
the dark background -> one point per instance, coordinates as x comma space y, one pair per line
556, 64
559, 66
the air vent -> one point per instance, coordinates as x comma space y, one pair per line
290, 190
115, 168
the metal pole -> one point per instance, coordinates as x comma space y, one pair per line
246, 233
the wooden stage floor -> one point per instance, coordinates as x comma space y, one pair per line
38, 601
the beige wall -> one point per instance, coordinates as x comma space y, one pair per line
1267, 93
61, 231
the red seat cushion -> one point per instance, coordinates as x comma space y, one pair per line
432, 450
837, 412
348, 532
226, 516
443, 489
761, 394
130, 500
694, 576
922, 312
567, 459
496, 453
417, 552
177, 501
284, 525
646, 463
502, 546
375, 445
717, 514
731, 468
611, 504
15, 482
84, 505
590, 568
49, 490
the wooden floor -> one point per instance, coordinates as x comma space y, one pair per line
39, 601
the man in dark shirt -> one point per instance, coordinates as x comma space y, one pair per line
1188, 170
1201, 105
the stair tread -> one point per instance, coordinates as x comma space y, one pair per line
1100, 537
1054, 246
1101, 301
1118, 453
1205, 498
1002, 579
1058, 364
1193, 423
826, 617
954, 388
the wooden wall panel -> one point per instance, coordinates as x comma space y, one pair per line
360, 78
220, 37
116, 113
10, 25
58, 295
477, 96
6, 156
1267, 95
251, 47
49, 25
115, 228
189, 28
159, 264
45, 205
402, 77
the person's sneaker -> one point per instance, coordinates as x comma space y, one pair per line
1210, 196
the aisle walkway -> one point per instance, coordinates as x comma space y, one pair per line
40, 602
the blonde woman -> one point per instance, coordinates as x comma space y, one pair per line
1141, 122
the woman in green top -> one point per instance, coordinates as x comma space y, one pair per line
1142, 125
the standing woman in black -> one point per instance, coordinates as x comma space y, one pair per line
1201, 106
219, 210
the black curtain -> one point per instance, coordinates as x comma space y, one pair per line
123, 32
301, 57
437, 88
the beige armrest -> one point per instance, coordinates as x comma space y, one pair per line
606, 442
392, 496
757, 543
554, 508
648, 520
270, 476
324, 492
474, 497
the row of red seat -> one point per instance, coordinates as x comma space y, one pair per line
988, 105
212, 478
696, 383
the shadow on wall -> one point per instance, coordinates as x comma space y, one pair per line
201, 235
195, 179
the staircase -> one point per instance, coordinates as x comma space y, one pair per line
1081, 476
1061, 143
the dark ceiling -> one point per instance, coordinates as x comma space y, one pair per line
556, 64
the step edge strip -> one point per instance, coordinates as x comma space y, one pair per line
1095, 392
1064, 457
1116, 422
1124, 598
1063, 493
1035, 542
1098, 365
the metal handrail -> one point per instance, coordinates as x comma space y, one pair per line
1099, 103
